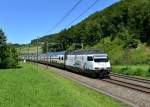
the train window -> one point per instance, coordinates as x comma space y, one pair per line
101, 60
59, 58
62, 58
90, 58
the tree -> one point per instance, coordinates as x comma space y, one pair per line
130, 40
2, 38
8, 54
2, 43
133, 15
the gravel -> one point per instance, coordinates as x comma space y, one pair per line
123, 94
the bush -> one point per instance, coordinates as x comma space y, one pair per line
9, 62
9, 57
148, 72
125, 70
138, 72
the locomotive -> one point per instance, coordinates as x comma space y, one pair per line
94, 63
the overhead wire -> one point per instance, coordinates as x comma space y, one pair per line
93, 4
70, 11
66, 15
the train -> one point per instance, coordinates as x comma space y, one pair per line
93, 63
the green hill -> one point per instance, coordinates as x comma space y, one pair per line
29, 49
122, 30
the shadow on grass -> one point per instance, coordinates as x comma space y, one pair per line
17, 67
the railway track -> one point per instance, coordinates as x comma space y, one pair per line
130, 78
133, 96
141, 85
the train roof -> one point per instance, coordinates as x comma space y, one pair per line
85, 52
56, 53
77, 52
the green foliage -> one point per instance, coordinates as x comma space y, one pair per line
120, 55
133, 70
2, 38
31, 49
140, 55
113, 48
149, 71
9, 57
129, 18
44, 47
8, 54
130, 40
53, 47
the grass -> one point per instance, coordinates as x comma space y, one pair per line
30, 86
142, 71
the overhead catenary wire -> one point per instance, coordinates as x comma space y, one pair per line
93, 4
69, 12
66, 15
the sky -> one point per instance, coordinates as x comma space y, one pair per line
24, 20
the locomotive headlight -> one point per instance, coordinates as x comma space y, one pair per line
96, 68
108, 68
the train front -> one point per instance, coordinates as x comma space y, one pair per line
101, 65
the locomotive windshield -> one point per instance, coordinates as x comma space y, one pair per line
101, 60
90, 58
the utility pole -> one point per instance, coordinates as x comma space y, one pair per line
28, 52
82, 45
37, 48
47, 53
78, 44
19, 52
62, 46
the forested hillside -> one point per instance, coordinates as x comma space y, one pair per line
122, 30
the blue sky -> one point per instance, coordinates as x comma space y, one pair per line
24, 20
